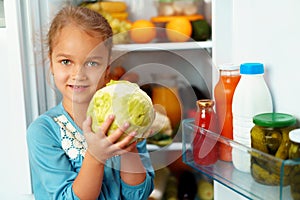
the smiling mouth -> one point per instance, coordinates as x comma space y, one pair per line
77, 87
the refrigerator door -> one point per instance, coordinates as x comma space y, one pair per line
23, 74
260, 31
14, 168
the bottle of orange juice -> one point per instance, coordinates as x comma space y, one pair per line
229, 76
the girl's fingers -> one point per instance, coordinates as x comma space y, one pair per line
131, 147
128, 148
125, 142
106, 124
118, 133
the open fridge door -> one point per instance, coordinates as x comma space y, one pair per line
260, 31
23, 74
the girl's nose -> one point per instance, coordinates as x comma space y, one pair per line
78, 73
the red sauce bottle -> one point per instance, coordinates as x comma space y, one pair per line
228, 79
205, 150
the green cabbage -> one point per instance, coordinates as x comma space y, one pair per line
128, 103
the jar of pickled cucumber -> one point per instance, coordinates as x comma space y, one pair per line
294, 153
270, 135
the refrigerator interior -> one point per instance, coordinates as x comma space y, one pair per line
35, 17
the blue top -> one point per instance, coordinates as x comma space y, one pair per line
56, 150
251, 68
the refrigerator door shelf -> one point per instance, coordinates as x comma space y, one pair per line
240, 182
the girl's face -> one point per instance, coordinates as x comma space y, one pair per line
79, 65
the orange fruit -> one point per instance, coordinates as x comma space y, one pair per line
142, 31
179, 29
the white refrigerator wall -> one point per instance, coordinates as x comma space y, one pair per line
265, 31
268, 31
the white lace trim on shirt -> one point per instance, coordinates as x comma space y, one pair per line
73, 143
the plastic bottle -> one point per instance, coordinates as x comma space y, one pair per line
229, 76
205, 144
251, 97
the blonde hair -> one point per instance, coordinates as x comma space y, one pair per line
89, 21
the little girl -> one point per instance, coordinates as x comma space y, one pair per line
68, 160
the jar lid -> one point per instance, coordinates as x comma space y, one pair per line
274, 120
229, 66
295, 135
205, 102
252, 68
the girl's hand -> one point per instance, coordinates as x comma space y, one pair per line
103, 147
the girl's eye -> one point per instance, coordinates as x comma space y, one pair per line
92, 64
65, 62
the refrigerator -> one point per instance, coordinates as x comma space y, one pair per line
263, 31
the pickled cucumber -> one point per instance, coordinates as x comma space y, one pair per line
296, 180
273, 140
294, 151
258, 139
266, 176
283, 150
263, 176
272, 166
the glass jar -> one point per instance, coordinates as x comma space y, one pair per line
205, 150
270, 135
294, 153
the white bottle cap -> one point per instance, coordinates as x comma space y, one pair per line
295, 135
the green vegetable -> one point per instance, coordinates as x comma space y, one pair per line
258, 139
128, 103
283, 149
294, 151
201, 30
273, 140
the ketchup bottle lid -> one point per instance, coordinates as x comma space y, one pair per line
205, 102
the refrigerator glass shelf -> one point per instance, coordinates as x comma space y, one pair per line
163, 46
238, 181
